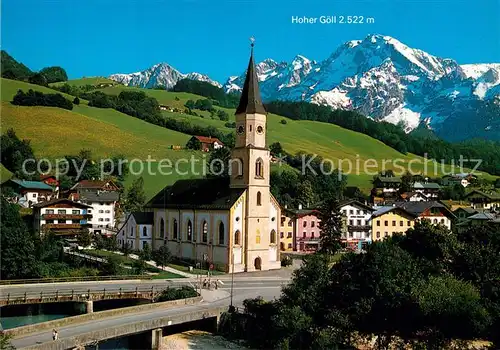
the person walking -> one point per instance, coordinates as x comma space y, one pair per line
55, 335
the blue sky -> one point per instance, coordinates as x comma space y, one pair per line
101, 37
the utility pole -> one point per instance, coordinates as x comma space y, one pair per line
232, 279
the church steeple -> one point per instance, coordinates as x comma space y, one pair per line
250, 101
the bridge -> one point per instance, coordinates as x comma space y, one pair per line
79, 295
152, 319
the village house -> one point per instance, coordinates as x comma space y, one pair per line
430, 190
303, 225
413, 197
208, 143
28, 193
385, 189
357, 214
231, 223
464, 179
462, 213
103, 197
483, 200
401, 216
287, 230
137, 231
50, 180
389, 220
479, 219
62, 217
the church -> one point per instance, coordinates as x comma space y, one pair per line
230, 222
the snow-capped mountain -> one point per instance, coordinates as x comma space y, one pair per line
384, 79
161, 74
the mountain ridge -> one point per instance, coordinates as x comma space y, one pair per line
379, 77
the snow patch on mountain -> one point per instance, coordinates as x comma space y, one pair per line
161, 74
383, 79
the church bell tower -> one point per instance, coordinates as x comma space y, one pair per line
250, 163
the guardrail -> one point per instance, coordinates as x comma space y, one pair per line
80, 294
76, 279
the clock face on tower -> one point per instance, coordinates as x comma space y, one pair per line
241, 129
260, 129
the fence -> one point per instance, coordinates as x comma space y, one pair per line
79, 294
77, 279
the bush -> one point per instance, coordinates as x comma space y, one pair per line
286, 261
76, 101
37, 98
54, 74
176, 293
283, 121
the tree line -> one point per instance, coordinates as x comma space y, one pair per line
394, 136
208, 90
37, 98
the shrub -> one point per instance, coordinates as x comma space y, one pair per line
283, 121
76, 101
286, 261
176, 293
37, 98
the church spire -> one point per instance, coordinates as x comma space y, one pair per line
250, 101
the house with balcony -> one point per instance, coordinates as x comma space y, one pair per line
430, 190
413, 196
479, 220
28, 193
385, 189
484, 200
433, 211
103, 197
137, 231
357, 216
62, 217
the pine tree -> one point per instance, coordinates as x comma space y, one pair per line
330, 226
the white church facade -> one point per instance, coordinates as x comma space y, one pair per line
230, 222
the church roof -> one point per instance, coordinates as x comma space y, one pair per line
250, 101
213, 193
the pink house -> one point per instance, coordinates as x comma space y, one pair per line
306, 231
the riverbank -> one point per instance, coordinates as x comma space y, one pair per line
198, 340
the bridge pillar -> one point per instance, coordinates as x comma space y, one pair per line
157, 339
89, 306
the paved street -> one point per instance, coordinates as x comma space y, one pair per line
244, 287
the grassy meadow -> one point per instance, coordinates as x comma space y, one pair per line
56, 132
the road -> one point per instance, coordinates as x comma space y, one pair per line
244, 287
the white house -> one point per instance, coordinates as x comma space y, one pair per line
28, 193
358, 222
103, 197
433, 211
137, 231
61, 216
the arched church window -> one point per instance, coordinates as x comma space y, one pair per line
236, 166
259, 198
272, 237
204, 232
162, 228
237, 237
176, 232
144, 231
221, 233
259, 168
189, 231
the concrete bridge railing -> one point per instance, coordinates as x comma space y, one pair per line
73, 320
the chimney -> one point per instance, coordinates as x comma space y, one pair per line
300, 206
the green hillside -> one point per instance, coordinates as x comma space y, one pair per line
56, 132
86, 81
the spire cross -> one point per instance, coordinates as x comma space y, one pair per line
252, 41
